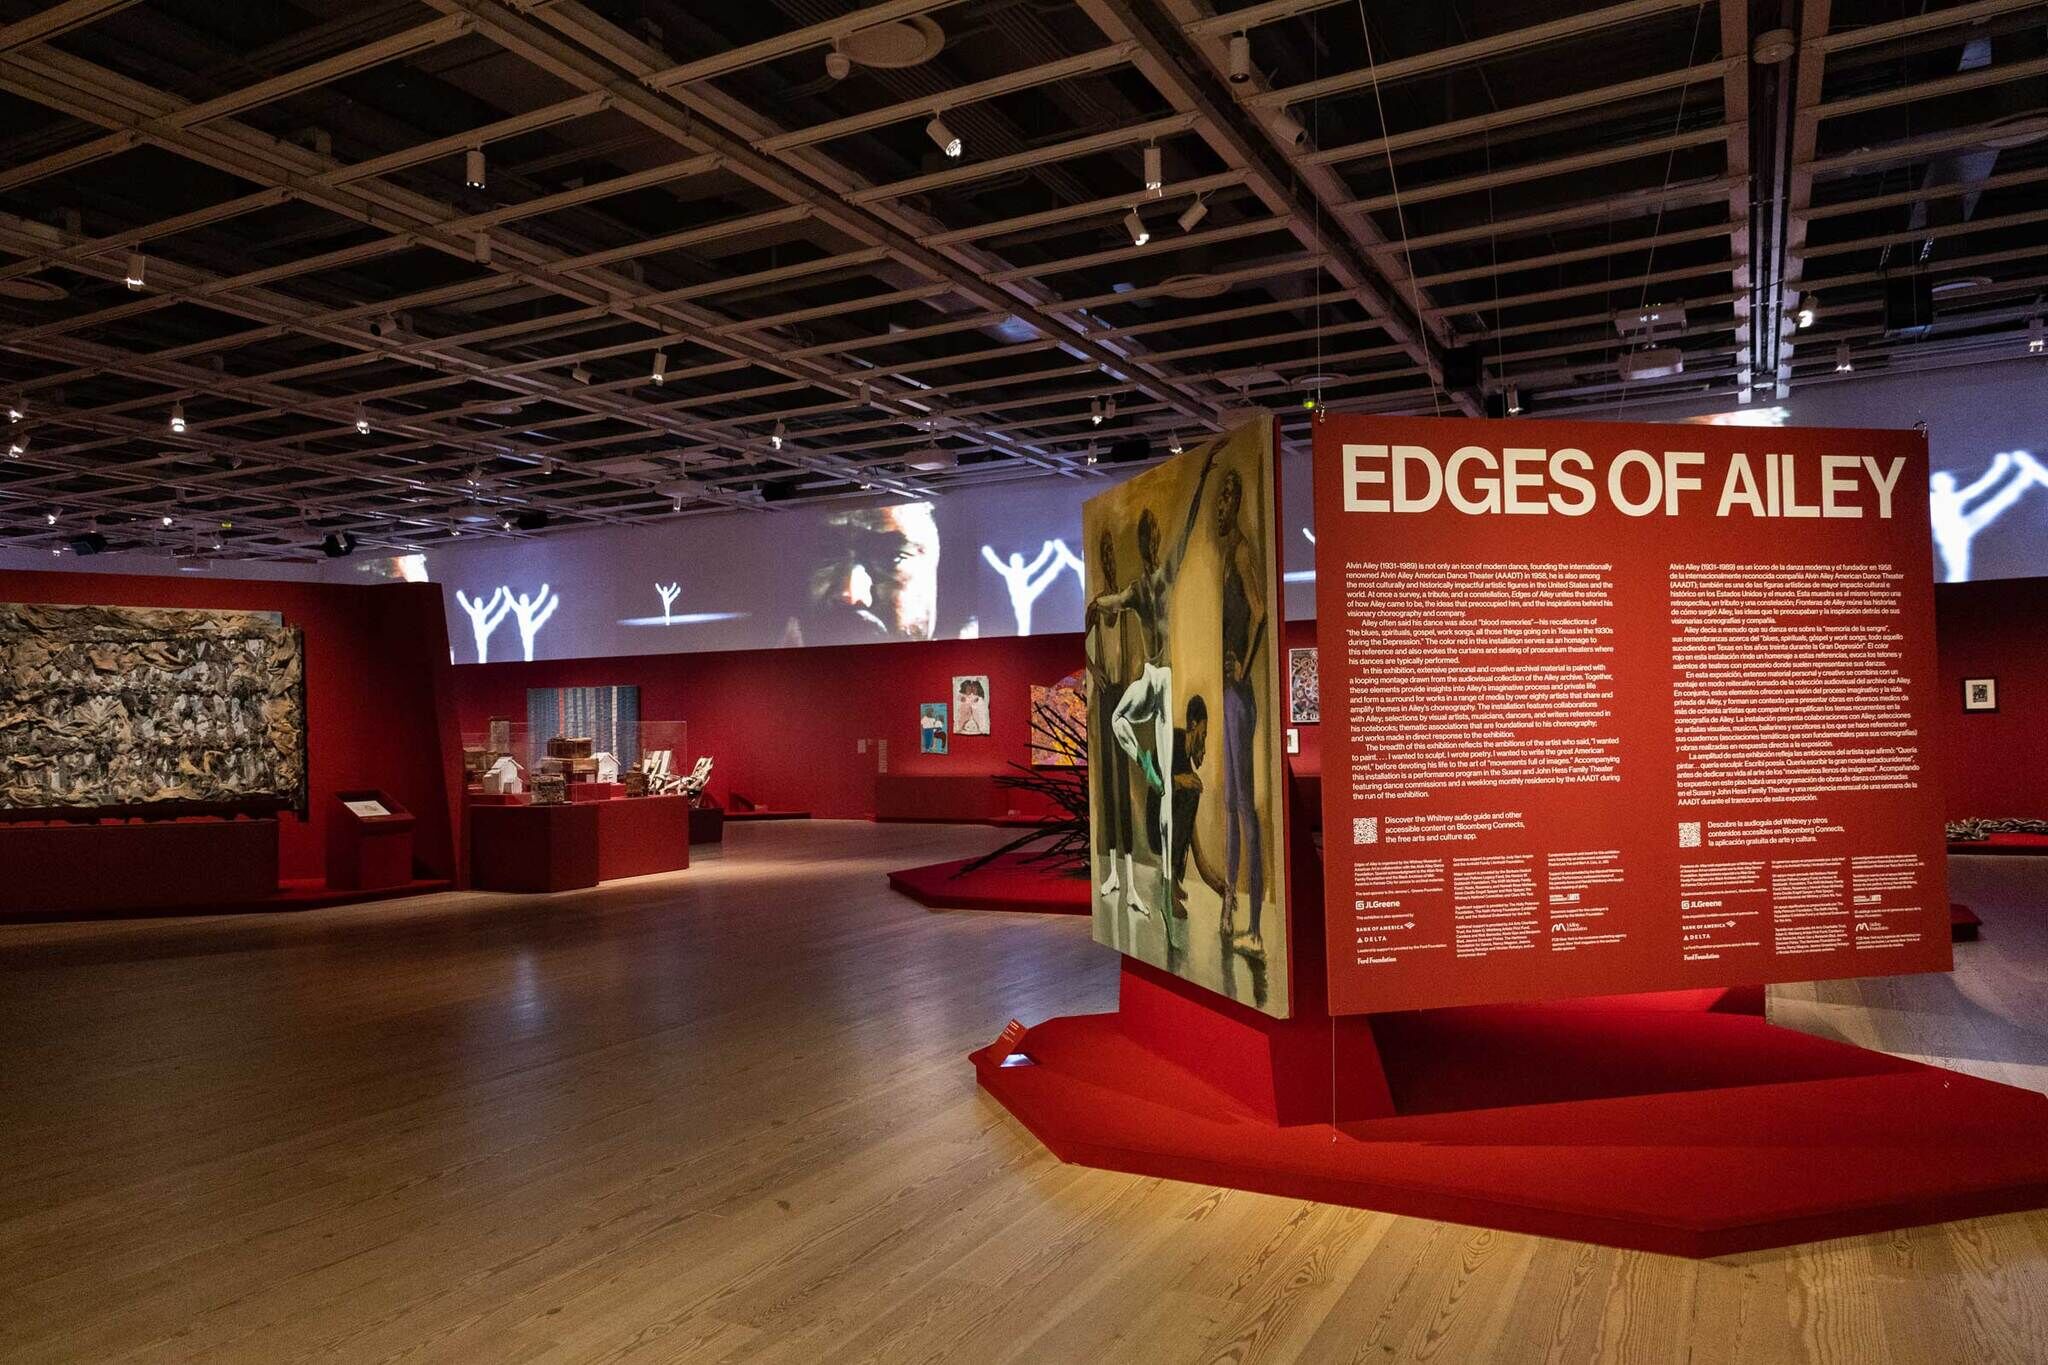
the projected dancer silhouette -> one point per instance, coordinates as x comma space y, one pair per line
1028, 582
533, 613
1957, 522
1149, 700
485, 614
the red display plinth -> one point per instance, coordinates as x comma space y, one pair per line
533, 848
596, 791
1011, 882
643, 835
1690, 1131
1677, 1122
136, 865
367, 851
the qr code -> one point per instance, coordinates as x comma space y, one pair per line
1365, 829
1688, 834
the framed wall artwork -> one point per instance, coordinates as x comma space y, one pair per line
1304, 687
149, 708
970, 704
931, 727
1980, 694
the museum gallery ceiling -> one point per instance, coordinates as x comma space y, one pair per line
287, 276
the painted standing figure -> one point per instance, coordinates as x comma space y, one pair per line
1149, 700
1111, 655
1244, 632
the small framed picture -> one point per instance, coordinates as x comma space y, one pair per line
1980, 694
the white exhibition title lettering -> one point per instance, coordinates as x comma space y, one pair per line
1526, 481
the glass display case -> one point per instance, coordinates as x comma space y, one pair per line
510, 757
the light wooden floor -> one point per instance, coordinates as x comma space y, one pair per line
726, 1115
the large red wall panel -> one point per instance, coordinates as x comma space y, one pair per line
379, 712
1996, 763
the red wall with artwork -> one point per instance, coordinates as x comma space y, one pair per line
784, 726
379, 712
1996, 762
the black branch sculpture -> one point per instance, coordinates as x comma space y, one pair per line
1061, 843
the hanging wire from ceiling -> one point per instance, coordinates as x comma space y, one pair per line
1664, 191
1436, 397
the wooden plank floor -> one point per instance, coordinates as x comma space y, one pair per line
726, 1115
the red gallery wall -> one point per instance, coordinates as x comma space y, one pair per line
1997, 762
784, 725
379, 712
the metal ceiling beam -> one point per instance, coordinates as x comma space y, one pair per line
1191, 74
1474, 53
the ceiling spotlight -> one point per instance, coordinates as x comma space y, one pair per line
1193, 214
473, 168
15, 412
837, 64
1109, 409
17, 447
178, 418
1095, 412
1173, 443
1843, 365
660, 370
169, 520
1155, 177
940, 134
338, 544
1773, 46
775, 437
1514, 400
362, 420
1240, 58
482, 250
1135, 225
1288, 129
137, 270
863, 394
580, 374
2036, 342
1805, 316
49, 518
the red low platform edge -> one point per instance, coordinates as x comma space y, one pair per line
1008, 883
1678, 1122
1687, 1132
2003, 843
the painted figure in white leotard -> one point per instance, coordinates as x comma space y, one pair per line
1148, 701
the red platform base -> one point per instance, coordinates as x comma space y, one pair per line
1963, 924
2004, 843
1678, 1124
1008, 883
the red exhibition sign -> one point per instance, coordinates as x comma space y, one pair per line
1618, 707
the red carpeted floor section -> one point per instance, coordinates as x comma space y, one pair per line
1688, 1131
2003, 843
1008, 883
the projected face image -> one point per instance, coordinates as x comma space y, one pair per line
880, 581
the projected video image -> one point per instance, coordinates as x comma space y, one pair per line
995, 562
